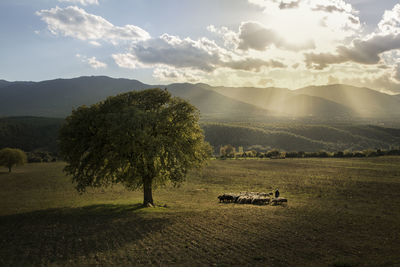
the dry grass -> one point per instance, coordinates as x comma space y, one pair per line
341, 212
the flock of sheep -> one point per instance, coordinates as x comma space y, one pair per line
254, 198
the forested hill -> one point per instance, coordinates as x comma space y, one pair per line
35, 133
57, 98
30, 133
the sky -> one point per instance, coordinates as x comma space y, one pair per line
261, 43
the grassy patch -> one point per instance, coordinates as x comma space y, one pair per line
341, 212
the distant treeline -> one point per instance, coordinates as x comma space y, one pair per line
229, 151
301, 137
38, 136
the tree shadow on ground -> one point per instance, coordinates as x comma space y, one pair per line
54, 235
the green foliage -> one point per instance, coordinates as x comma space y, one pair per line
139, 139
301, 137
40, 134
41, 156
10, 157
30, 133
227, 151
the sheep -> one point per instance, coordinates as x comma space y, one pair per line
278, 201
227, 198
254, 198
260, 201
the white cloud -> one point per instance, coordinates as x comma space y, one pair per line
75, 22
361, 51
203, 55
390, 22
326, 23
171, 74
94, 43
82, 2
92, 61
127, 61
368, 50
396, 74
254, 35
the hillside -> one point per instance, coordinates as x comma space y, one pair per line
326, 102
4, 83
366, 102
268, 98
30, 133
307, 106
57, 98
35, 133
215, 105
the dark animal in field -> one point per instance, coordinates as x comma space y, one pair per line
278, 201
260, 201
227, 198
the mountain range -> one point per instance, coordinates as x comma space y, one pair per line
57, 98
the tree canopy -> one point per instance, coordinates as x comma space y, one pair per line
140, 139
10, 157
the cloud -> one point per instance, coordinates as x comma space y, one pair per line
94, 43
265, 82
230, 37
204, 55
171, 74
364, 51
390, 22
253, 64
325, 22
328, 6
82, 2
75, 22
92, 61
127, 60
396, 74
95, 63
253, 35
289, 5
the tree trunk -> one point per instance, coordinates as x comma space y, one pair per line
9, 168
148, 193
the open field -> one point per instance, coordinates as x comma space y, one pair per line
341, 212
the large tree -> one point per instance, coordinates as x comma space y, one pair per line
10, 157
140, 139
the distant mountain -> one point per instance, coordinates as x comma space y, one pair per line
288, 103
213, 104
4, 83
57, 98
366, 102
304, 105
329, 101
268, 98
